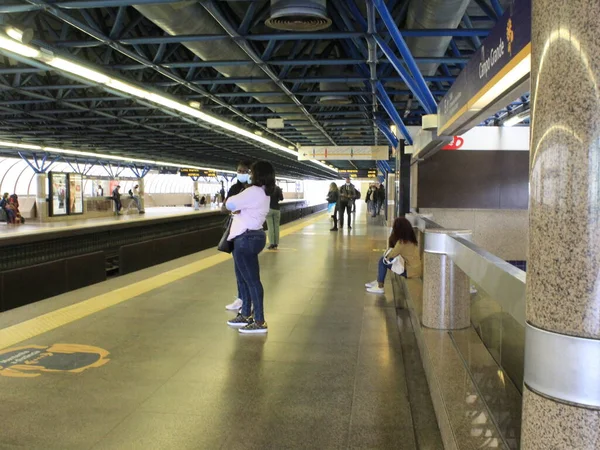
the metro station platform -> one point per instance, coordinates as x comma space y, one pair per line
146, 360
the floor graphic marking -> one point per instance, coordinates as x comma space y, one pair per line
33, 360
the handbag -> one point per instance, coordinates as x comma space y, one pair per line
397, 263
225, 245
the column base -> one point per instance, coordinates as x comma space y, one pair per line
548, 424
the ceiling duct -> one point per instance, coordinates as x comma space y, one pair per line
298, 15
189, 18
332, 87
433, 14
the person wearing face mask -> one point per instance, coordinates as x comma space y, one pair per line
347, 197
243, 181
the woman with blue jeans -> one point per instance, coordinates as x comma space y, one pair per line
402, 242
250, 208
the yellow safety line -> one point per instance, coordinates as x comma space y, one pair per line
34, 327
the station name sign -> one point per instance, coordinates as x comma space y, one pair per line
506, 46
359, 173
344, 152
187, 172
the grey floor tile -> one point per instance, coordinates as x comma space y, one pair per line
378, 438
148, 431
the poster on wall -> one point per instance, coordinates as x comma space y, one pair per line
75, 193
58, 194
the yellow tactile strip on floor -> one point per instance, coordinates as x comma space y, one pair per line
30, 328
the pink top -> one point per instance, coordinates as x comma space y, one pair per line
253, 206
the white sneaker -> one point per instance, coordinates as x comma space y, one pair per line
235, 305
376, 290
371, 284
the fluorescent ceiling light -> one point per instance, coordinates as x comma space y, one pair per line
20, 49
64, 151
504, 84
98, 77
517, 118
15, 33
78, 70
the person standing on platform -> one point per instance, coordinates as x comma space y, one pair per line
196, 198
380, 194
332, 199
274, 218
347, 197
369, 200
243, 178
136, 195
250, 209
116, 196
100, 191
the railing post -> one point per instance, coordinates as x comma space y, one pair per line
446, 288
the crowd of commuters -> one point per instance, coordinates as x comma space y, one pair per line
342, 202
10, 205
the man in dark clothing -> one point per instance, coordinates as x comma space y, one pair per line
347, 198
243, 180
274, 218
380, 194
116, 195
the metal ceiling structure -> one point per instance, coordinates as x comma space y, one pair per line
367, 57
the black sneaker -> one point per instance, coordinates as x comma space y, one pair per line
334, 229
240, 321
254, 328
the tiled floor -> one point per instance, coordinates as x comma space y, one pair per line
330, 374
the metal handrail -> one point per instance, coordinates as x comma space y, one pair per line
501, 280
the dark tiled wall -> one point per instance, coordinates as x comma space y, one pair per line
474, 179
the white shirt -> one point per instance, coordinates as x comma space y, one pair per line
253, 206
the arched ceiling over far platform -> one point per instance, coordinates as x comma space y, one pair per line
335, 86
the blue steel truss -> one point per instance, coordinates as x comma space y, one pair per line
365, 54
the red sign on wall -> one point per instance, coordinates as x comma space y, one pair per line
455, 144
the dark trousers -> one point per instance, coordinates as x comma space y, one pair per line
345, 206
334, 216
118, 205
247, 272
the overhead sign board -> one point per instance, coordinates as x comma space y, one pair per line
344, 152
187, 172
507, 46
358, 173
168, 170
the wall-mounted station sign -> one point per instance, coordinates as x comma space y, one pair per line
358, 173
500, 68
187, 172
345, 152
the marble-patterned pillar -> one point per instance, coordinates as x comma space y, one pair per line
561, 408
41, 197
142, 192
446, 288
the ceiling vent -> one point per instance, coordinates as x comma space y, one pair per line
298, 15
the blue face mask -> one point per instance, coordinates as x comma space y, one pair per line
243, 177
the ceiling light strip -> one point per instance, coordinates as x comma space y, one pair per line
74, 68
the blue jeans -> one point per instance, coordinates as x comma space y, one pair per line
246, 248
382, 270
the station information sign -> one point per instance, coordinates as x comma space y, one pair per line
507, 45
359, 173
187, 172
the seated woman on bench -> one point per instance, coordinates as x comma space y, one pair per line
402, 245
